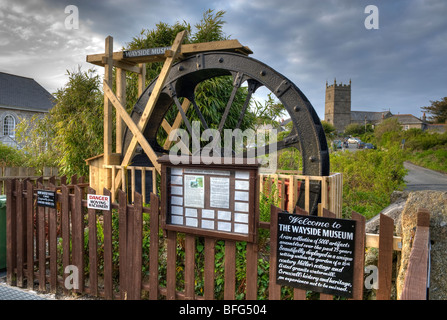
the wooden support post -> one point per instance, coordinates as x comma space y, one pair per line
121, 95
141, 79
151, 102
108, 77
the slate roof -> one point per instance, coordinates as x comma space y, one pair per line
370, 115
407, 119
18, 92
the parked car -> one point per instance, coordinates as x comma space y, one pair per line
369, 146
353, 140
360, 145
337, 144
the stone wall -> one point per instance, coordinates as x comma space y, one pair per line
436, 203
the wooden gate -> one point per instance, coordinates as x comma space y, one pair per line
122, 253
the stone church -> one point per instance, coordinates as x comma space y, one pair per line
338, 111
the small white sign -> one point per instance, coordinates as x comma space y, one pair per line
98, 202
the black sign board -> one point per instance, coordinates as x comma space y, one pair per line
214, 199
316, 253
46, 198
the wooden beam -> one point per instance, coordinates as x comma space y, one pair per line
138, 135
153, 99
186, 50
108, 116
121, 95
141, 78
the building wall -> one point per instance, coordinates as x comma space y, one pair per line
18, 115
338, 105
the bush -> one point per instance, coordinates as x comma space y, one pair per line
369, 178
10, 157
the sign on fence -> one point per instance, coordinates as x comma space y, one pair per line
46, 198
316, 253
98, 202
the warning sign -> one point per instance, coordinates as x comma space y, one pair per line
98, 202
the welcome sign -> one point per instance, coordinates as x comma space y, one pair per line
316, 253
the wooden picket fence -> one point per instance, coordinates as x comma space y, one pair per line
26, 172
107, 248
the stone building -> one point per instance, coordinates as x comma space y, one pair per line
337, 108
338, 111
20, 99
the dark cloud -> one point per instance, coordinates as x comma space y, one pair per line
400, 66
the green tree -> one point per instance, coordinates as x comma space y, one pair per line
388, 132
438, 110
211, 95
357, 129
73, 129
328, 128
10, 157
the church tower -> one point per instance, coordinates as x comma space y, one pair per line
337, 109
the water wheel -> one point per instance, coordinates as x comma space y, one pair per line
307, 135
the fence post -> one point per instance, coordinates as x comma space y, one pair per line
137, 241
30, 233
52, 242
78, 236
10, 231
274, 289
20, 234
385, 257
92, 248
122, 216
153, 249
108, 250
41, 244
415, 285
359, 254
65, 221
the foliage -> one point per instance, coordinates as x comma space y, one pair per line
369, 178
73, 129
431, 159
289, 159
356, 129
211, 95
386, 131
10, 157
268, 112
328, 128
438, 110
36, 136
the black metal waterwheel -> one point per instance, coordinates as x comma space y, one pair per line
307, 135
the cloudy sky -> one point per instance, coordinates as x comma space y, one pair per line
400, 66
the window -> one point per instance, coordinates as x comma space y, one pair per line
9, 125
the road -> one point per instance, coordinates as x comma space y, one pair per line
419, 178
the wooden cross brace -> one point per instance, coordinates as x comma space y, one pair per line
138, 129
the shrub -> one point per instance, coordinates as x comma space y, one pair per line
369, 178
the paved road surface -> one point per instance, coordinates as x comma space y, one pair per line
419, 178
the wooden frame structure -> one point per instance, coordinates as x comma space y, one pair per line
135, 61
